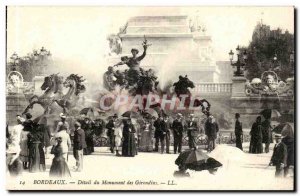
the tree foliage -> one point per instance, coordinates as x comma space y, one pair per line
265, 45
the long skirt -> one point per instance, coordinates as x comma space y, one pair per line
42, 155
59, 168
129, 146
90, 145
146, 144
24, 151
256, 146
15, 168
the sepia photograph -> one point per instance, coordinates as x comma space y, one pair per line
150, 98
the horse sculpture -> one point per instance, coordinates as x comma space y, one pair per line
53, 89
182, 88
70, 99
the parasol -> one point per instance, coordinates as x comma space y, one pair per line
91, 112
151, 112
270, 114
130, 114
197, 160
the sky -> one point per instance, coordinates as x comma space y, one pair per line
77, 35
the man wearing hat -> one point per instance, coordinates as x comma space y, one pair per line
279, 157
63, 122
79, 145
211, 131
192, 131
177, 127
110, 126
159, 134
238, 130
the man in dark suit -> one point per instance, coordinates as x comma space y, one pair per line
166, 131
279, 157
211, 131
159, 134
110, 126
79, 145
177, 127
238, 130
192, 131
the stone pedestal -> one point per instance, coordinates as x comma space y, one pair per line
238, 87
174, 50
15, 104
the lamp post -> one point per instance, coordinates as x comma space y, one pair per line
240, 63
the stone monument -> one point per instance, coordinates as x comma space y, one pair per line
176, 45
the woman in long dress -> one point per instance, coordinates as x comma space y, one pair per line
65, 140
13, 150
256, 137
59, 167
146, 144
24, 149
129, 145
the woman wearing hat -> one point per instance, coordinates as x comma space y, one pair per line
59, 167
129, 145
65, 140
146, 144
63, 121
13, 148
256, 146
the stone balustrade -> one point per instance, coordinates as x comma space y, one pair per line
213, 88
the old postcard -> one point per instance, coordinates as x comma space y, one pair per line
150, 98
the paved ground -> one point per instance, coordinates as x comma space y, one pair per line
155, 171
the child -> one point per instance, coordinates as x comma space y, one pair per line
279, 156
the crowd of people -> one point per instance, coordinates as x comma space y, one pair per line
28, 142
261, 133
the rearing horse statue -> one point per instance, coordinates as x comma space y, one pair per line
53, 90
70, 99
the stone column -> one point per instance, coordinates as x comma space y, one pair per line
238, 86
